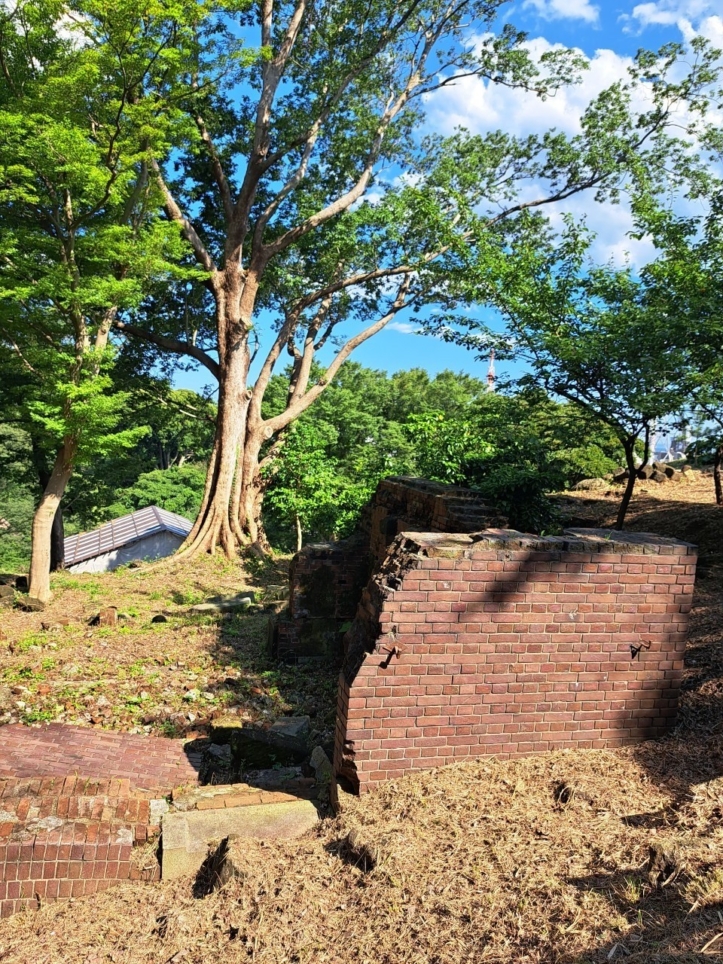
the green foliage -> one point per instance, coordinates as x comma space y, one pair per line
82, 237
354, 435
88, 412
179, 437
17, 498
514, 448
308, 489
178, 489
588, 334
520, 492
444, 445
17, 506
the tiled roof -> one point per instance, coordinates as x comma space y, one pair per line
121, 532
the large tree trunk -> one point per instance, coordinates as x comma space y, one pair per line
57, 535
250, 488
44, 519
629, 447
717, 475
217, 524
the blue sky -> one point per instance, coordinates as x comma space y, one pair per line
609, 34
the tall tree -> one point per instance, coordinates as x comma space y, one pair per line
271, 176
598, 337
686, 285
80, 236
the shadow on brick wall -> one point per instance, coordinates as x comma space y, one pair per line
692, 754
676, 923
507, 644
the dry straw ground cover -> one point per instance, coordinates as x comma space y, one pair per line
538, 860
684, 509
543, 859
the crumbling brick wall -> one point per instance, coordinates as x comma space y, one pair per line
325, 583
68, 837
501, 643
326, 579
402, 504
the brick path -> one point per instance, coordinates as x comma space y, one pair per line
149, 763
73, 804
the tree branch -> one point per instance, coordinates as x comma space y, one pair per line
278, 422
170, 344
218, 172
189, 232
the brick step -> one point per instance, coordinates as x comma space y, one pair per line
58, 749
470, 509
64, 837
459, 501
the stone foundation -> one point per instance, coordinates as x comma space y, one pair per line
507, 644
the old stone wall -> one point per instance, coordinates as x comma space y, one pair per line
507, 644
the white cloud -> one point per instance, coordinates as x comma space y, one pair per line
480, 106
404, 327
564, 9
691, 17
711, 28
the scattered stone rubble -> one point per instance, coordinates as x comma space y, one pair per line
655, 472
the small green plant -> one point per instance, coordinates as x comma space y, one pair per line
31, 641
169, 729
187, 597
63, 581
38, 716
631, 890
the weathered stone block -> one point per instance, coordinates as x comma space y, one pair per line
186, 837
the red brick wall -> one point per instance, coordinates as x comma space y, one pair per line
325, 583
326, 579
509, 645
69, 837
402, 504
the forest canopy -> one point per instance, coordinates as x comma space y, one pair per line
250, 188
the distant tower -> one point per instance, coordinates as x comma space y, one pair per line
491, 372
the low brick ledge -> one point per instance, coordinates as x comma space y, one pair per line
594, 541
58, 749
69, 837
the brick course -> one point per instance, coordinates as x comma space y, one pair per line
68, 837
325, 583
63, 835
58, 749
506, 644
403, 504
326, 579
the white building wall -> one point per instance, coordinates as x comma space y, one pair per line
153, 547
